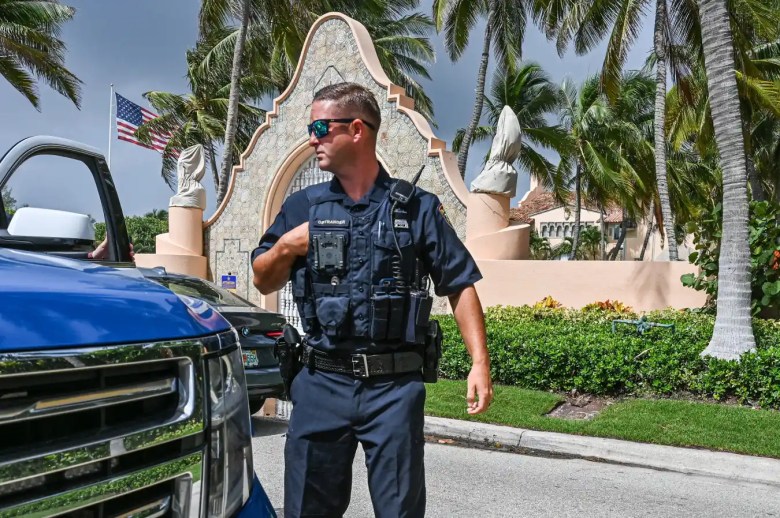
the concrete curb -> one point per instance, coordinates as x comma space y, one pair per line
730, 466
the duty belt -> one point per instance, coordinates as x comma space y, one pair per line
364, 365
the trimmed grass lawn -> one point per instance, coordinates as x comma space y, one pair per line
672, 422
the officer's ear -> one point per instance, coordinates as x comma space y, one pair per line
361, 132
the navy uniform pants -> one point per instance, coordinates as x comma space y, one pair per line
331, 414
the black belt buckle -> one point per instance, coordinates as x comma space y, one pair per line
360, 365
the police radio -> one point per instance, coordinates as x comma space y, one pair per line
402, 191
419, 301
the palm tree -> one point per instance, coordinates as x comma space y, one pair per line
199, 117
765, 137
29, 47
758, 78
532, 96
632, 121
690, 119
538, 246
215, 14
676, 39
598, 161
506, 21
733, 332
591, 239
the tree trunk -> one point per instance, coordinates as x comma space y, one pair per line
733, 333
232, 113
575, 238
660, 128
463, 155
214, 171
756, 189
623, 231
612, 255
603, 244
623, 235
648, 233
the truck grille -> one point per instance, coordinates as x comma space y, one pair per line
115, 431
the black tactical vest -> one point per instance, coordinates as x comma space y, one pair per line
356, 286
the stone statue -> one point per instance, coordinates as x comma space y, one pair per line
190, 169
499, 175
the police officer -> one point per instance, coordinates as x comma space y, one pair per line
358, 254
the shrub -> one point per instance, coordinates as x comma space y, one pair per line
611, 306
764, 236
547, 302
563, 350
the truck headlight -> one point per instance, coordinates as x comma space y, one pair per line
230, 471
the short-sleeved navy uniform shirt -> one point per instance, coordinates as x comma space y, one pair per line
444, 256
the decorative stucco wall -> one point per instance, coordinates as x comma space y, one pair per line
337, 49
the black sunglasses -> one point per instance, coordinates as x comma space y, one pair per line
321, 127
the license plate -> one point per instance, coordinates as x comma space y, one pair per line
250, 359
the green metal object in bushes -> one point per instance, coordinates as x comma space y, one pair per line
642, 324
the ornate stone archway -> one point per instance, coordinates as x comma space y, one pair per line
337, 49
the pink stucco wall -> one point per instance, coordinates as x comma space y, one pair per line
641, 285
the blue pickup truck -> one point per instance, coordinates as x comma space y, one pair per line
117, 396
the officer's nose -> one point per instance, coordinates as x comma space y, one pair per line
313, 141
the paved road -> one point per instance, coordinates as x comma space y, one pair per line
466, 482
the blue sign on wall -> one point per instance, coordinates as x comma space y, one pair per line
229, 282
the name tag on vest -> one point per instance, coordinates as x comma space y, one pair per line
331, 222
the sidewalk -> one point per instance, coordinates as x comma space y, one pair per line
690, 461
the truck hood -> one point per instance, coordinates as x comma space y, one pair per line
48, 302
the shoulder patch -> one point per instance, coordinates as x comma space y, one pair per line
444, 214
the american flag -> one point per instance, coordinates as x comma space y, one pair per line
129, 116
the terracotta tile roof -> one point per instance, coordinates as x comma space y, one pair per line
614, 215
539, 200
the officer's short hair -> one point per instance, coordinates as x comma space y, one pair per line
354, 97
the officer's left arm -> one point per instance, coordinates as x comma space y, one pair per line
454, 272
467, 310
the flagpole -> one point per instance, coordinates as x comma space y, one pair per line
110, 124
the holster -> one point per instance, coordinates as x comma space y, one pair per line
288, 350
432, 354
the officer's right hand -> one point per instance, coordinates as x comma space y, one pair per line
297, 240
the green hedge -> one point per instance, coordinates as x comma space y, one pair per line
565, 350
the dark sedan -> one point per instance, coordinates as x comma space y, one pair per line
259, 330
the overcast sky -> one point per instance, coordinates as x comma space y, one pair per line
139, 46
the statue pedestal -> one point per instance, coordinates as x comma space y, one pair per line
488, 232
486, 213
181, 249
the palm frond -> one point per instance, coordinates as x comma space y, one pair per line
29, 47
625, 31
461, 18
